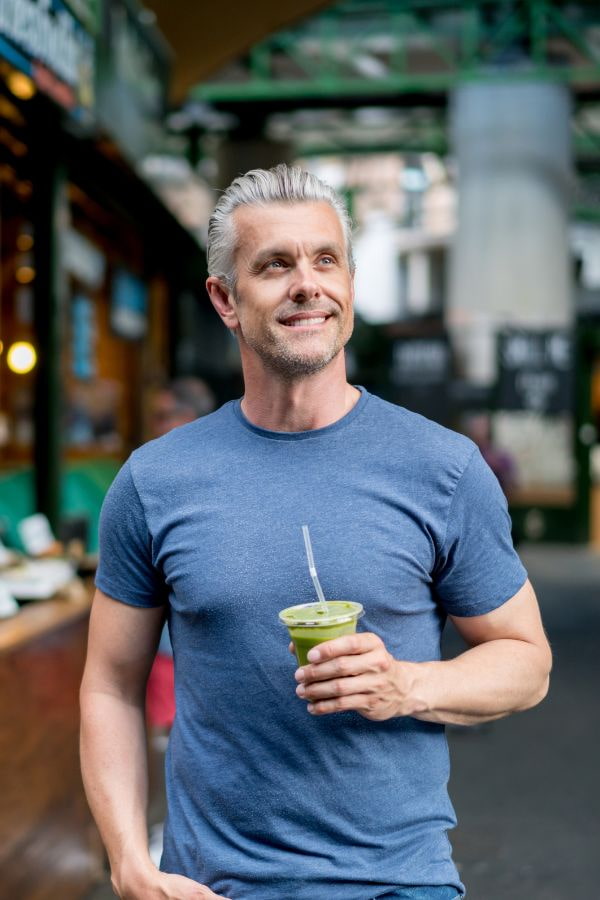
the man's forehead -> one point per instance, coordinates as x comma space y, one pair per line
311, 222
285, 208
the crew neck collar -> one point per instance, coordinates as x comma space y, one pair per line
312, 433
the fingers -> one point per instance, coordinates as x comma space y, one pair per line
156, 885
354, 672
357, 702
348, 645
175, 887
345, 657
339, 687
372, 698
344, 666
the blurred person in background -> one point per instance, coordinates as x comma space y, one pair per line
337, 790
479, 428
181, 401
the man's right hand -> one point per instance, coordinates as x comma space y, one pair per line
162, 886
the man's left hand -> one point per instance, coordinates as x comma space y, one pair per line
357, 672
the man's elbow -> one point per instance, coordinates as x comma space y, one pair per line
541, 693
541, 682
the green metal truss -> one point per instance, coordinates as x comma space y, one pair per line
382, 48
586, 144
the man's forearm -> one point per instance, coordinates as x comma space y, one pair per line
506, 670
114, 768
484, 683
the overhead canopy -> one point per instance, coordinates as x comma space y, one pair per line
206, 35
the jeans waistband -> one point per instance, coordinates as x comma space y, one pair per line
418, 892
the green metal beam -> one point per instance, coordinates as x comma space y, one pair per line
362, 149
585, 147
259, 90
378, 49
586, 214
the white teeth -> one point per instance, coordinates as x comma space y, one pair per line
297, 323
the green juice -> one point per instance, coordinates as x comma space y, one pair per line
308, 624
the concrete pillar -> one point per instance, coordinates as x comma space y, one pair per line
510, 259
378, 290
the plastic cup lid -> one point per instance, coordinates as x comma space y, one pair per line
338, 617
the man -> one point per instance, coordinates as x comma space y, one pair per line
178, 402
339, 792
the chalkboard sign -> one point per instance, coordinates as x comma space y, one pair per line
535, 371
420, 375
420, 362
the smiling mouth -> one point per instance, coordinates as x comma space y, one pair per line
304, 321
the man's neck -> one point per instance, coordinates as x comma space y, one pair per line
311, 402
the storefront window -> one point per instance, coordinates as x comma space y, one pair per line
18, 351
114, 347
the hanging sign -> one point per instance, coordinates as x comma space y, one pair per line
133, 72
88, 12
535, 371
44, 40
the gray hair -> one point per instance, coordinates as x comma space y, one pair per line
259, 187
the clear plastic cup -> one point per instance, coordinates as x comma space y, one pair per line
310, 624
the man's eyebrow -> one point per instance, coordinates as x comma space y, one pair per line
279, 251
334, 249
269, 253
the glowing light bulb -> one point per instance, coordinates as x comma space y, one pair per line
21, 357
21, 85
24, 242
25, 274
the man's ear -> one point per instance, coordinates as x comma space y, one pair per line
221, 299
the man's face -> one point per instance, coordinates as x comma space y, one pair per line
294, 291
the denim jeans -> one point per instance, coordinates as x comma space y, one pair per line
433, 892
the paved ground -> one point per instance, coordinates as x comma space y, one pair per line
527, 789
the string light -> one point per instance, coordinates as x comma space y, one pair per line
21, 357
24, 242
25, 274
21, 85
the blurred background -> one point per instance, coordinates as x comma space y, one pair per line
465, 139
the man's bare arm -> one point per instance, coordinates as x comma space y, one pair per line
121, 647
506, 669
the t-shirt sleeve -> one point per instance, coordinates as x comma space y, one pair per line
125, 569
477, 567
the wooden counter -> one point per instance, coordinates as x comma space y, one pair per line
49, 847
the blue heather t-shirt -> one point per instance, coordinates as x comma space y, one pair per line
265, 801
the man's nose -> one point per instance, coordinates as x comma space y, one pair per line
304, 285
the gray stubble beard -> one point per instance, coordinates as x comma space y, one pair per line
289, 366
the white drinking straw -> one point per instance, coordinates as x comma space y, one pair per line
312, 569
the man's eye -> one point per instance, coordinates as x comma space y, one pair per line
328, 260
275, 264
